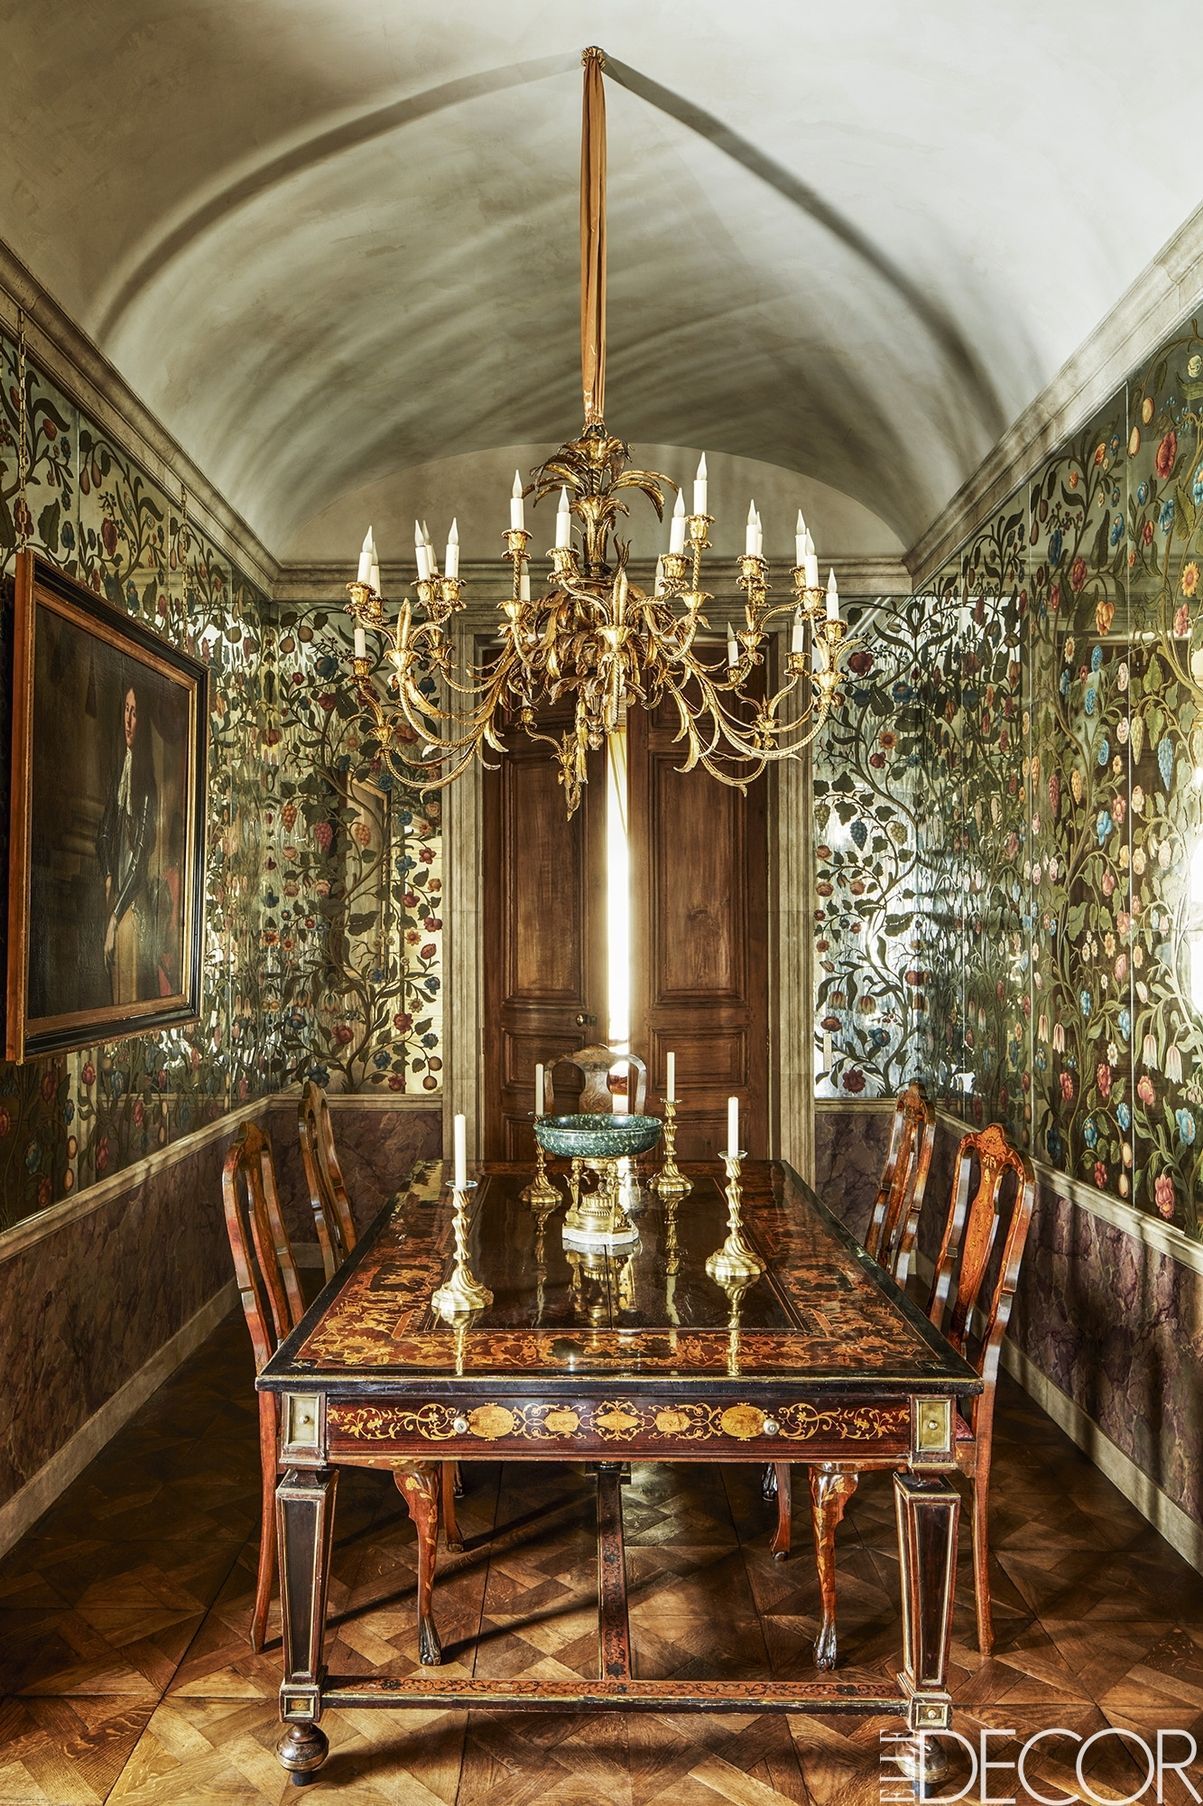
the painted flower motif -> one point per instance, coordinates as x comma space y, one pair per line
1103, 825
88, 1075
1186, 1126
1100, 1174
1182, 620
1165, 760
1090, 699
1165, 519
1077, 573
1067, 1087
1190, 582
1117, 529
1103, 1079
1167, 454
1123, 1116
1104, 614
1054, 599
1077, 786
1163, 1194
1085, 1000
854, 1080
1173, 1063
323, 833
1145, 1090
1146, 532
1104, 752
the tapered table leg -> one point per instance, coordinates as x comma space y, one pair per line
614, 1630
830, 1490
928, 1509
305, 1527
420, 1485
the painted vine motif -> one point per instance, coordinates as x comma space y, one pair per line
70, 1120
354, 898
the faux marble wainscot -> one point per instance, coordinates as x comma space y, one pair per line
850, 1151
1110, 1320
377, 1144
88, 1303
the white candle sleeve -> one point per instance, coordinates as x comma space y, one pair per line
676, 532
460, 1145
365, 558
563, 522
451, 561
700, 487
361, 643
420, 552
670, 1081
733, 1125
524, 587
798, 636
517, 516
374, 583
833, 598
750, 531
812, 563
732, 647
800, 542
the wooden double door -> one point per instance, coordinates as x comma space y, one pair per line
698, 864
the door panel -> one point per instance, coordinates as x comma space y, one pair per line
699, 939
543, 909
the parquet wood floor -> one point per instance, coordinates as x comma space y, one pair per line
126, 1675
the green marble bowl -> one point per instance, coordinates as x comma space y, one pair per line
587, 1137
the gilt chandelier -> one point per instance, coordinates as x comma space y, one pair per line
593, 637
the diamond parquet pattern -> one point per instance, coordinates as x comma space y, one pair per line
126, 1674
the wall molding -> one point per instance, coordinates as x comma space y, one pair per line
1159, 300
78, 366
21, 1512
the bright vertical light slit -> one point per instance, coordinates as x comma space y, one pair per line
618, 895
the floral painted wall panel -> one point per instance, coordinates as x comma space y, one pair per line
69, 1120
1165, 554
354, 923
866, 958
942, 870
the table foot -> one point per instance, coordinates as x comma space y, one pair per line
420, 1486
830, 1490
301, 1750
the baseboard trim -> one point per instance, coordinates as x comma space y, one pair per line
21, 1512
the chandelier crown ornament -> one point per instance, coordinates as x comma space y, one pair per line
594, 636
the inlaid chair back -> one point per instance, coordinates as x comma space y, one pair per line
263, 1261
323, 1175
596, 1063
967, 1251
895, 1220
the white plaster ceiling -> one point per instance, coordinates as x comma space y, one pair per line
332, 241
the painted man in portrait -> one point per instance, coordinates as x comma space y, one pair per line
124, 844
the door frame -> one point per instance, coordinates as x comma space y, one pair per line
790, 928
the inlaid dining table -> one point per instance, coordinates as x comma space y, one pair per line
609, 1358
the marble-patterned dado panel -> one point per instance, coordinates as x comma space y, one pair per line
89, 1303
1112, 1322
376, 1148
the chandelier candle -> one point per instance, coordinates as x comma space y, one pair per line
587, 636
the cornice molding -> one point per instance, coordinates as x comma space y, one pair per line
71, 359
325, 583
1161, 297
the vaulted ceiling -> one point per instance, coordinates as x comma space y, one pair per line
332, 241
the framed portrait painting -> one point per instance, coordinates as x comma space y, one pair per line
107, 821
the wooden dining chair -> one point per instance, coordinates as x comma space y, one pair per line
270, 1289
895, 1221
323, 1175
890, 1239
970, 1252
268, 1284
596, 1064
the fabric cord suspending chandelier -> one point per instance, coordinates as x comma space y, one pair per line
594, 637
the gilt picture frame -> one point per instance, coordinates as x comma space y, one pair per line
106, 862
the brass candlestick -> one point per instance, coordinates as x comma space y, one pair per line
462, 1293
670, 1181
735, 1259
541, 1194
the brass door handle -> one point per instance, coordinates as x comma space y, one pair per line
585, 1020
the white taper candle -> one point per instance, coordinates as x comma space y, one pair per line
539, 1089
420, 552
733, 1125
517, 516
833, 598
451, 560
361, 643
750, 531
800, 541
676, 531
700, 487
670, 1080
563, 522
460, 1146
366, 553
